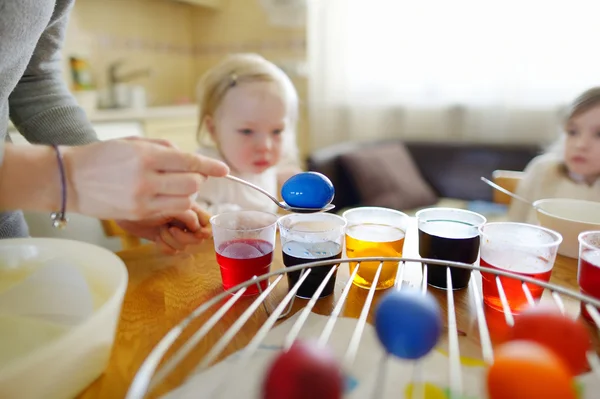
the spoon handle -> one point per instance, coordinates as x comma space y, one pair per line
246, 183
505, 191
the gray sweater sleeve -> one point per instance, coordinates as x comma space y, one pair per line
41, 106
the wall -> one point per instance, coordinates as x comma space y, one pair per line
179, 42
154, 34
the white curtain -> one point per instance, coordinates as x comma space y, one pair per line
472, 70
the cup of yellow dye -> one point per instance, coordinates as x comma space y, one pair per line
379, 232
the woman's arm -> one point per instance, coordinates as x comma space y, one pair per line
115, 179
41, 106
30, 179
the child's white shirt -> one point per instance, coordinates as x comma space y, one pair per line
546, 177
217, 195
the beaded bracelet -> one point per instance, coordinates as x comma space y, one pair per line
59, 219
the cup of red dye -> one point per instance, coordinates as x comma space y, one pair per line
244, 243
588, 272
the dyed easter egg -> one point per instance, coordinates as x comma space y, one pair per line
526, 370
308, 190
306, 370
408, 323
569, 339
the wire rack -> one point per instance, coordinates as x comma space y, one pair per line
150, 374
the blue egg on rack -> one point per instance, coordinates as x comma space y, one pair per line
308, 190
408, 323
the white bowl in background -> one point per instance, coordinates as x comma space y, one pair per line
65, 364
569, 217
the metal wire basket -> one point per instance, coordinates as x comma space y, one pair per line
150, 375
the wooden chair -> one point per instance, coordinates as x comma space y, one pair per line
507, 179
112, 229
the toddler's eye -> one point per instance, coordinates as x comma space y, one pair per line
597, 134
245, 132
277, 132
571, 132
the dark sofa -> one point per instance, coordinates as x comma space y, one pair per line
452, 169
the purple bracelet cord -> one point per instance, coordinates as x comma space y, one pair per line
59, 219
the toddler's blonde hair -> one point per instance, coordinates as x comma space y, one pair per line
583, 103
236, 69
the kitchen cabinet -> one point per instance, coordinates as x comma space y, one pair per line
180, 131
177, 124
203, 3
104, 131
118, 130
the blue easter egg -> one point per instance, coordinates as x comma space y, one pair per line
308, 190
408, 323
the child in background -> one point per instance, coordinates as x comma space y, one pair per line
248, 116
572, 168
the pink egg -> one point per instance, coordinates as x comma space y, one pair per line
306, 370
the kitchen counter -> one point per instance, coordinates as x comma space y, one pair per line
176, 123
162, 112
188, 111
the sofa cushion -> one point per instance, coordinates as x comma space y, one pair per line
387, 176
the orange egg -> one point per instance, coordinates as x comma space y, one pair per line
526, 370
568, 338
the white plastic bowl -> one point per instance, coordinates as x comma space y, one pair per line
64, 366
569, 217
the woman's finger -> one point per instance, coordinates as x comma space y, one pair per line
170, 160
162, 142
177, 183
168, 205
187, 220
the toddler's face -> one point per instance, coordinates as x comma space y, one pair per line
248, 126
582, 148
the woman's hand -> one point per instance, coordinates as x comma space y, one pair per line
134, 179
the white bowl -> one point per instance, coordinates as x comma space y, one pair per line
569, 217
64, 365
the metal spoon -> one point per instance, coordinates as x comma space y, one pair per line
505, 191
280, 204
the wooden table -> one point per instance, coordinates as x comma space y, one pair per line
164, 289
